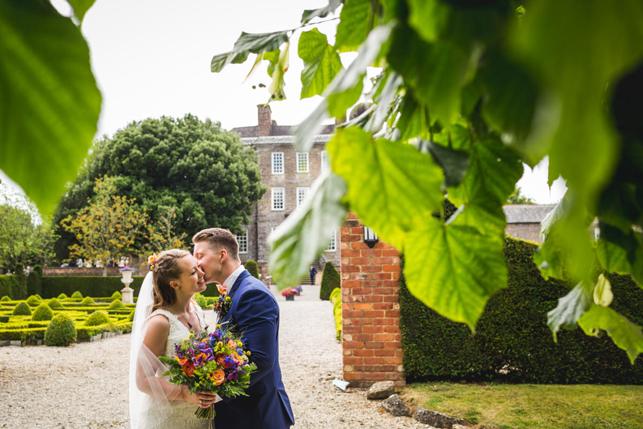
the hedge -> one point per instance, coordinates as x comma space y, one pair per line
336, 300
87, 285
330, 281
34, 281
252, 268
512, 339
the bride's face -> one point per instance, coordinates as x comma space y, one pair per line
191, 280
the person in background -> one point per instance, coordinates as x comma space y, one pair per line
313, 274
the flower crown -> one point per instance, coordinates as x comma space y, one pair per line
151, 261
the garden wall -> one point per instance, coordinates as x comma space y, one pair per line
512, 339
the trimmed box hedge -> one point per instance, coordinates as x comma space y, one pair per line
93, 286
512, 339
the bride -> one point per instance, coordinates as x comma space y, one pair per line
165, 315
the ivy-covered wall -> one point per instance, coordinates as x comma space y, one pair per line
512, 339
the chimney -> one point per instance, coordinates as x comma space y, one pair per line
265, 120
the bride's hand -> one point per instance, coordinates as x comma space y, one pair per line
202, 399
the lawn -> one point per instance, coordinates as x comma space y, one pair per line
521, 406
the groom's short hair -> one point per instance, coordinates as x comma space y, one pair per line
219, 238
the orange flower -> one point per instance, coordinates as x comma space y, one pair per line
218, 377
181, 361
232, 344
220, 360
222, 290
189, 369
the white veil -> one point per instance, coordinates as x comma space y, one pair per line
149, 393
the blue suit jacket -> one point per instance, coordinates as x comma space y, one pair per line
255, 313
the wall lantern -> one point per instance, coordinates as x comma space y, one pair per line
370, 238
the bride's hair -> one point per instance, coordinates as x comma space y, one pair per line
166, 269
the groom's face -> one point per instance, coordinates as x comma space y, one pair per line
209, 260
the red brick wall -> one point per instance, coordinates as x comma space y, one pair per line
371, 346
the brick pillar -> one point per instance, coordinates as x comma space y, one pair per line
264, 114
371, 346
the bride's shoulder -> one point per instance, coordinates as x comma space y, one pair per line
159, 319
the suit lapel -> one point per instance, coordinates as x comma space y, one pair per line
233, 290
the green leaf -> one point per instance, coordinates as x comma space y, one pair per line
454, 163
343, 91
387, 94
603, 295
570, 308
625, 334
81, 7
322, 12
353, 25
435, 71
276, 87
305, 234
49, 102
510, 98
392, 187
414, 118
578, 49
455, 267
321, 63
247, 43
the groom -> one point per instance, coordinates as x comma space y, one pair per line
254, 311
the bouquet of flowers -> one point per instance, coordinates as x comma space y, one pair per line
213, 362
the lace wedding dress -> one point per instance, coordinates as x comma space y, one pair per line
182, 416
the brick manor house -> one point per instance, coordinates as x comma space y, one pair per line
288, 176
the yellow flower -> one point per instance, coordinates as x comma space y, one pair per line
219, 344
248, 353
239, 344
191, 336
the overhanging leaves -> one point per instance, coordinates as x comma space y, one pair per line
81, 7
625, 334
455, 267
392, 187
49, 102
356, 20
305, 234
322, 12
570, 308
247, 43
321, 63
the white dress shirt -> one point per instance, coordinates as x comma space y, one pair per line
229, 282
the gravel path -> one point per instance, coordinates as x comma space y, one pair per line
85, 385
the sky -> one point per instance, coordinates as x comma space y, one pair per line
151, 58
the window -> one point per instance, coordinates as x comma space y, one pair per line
243, 242
278, 199
277, 163
301, 194
332, 246
325, 162
302, 162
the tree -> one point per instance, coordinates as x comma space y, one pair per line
517, 197
109, 227
186, 171
162, 235
466, 92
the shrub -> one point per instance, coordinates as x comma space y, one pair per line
34, 281
53, 303
336, 299
6, 286
117, 305
62, 296
5, 319
330, 281
60, 331
87, 301
200, 299
77, 295
22, 309
33, 300
512, 334
98, 318
130, 318
117, 295
252, 268
20, 283
42, 312
38, 296
5, 298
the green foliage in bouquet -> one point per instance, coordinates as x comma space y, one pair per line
77, 295
22, 309
61, 331
252, 268
88, 300
117, 305
329, 282
98, 318
54, 303
42, 312
33, 301
117, 295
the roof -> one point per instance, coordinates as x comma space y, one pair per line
276, 130
281, 139
527, 213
